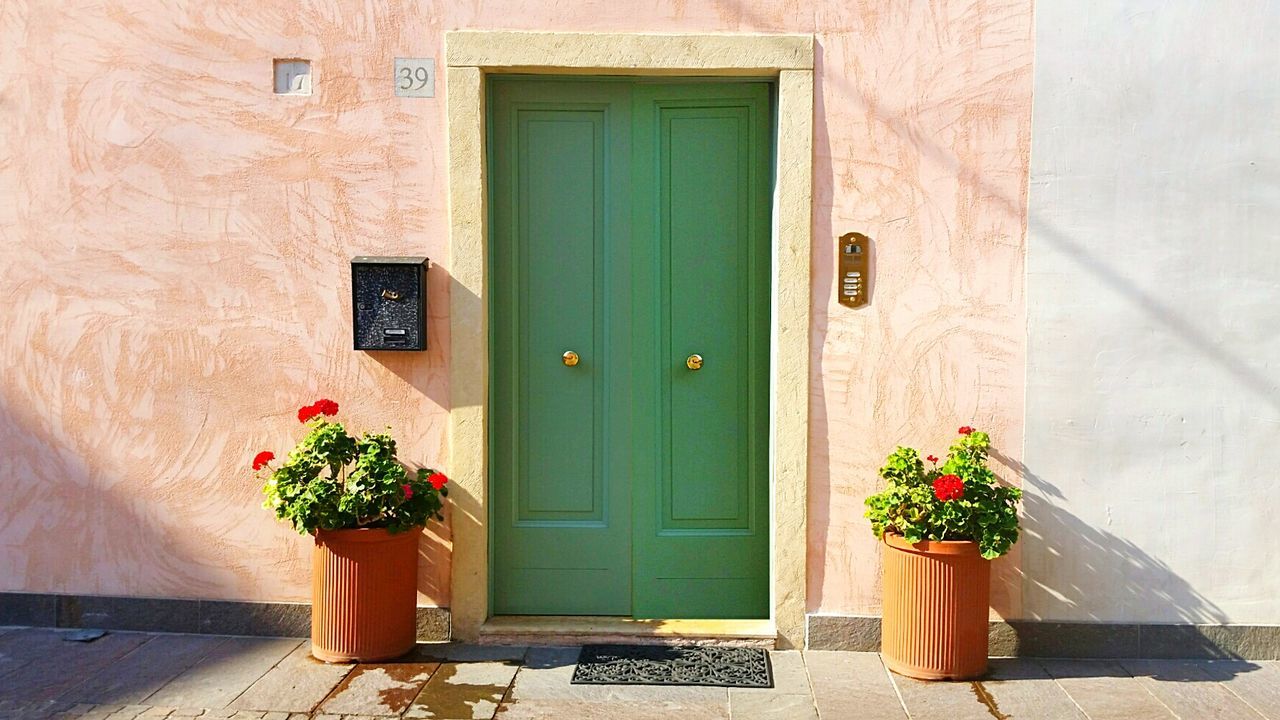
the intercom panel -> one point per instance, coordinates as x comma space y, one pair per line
854, 250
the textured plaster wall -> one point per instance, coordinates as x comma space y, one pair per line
175, 281
923, 135
175, 259
1153, 404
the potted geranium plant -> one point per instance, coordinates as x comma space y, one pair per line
365, 510
941, 526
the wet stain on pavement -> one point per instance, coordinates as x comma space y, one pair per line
381, 689
462, 690
988, 700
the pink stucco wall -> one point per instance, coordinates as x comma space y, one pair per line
175, 241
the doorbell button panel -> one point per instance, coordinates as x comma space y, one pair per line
853, 252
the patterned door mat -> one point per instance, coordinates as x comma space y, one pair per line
673, 665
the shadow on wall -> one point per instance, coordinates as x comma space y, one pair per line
1124, 581
822, 282
52, 523
1134, 582
51, 519
420, 371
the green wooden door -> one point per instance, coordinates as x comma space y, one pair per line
631, 227
701, 273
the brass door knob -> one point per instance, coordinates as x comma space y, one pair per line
694, 362
570, 358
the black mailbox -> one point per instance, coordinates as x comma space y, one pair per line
389, 303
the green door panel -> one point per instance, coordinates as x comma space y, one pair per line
630, 224
701, 258
560, 184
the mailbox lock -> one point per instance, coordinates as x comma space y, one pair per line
389, 294
570, 358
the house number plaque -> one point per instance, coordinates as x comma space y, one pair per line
415, 77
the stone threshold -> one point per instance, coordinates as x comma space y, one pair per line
590, 630
179, 615
1049, 639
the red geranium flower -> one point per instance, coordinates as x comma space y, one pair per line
966, 430
408, 491
261, 459
948, 487
932, 458
437, 480
319, 407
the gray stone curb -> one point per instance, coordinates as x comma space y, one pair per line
211, 617
1029, 638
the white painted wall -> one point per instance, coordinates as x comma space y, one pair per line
1153, 406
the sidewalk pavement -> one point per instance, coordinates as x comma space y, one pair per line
128, 675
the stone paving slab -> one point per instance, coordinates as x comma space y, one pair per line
1188, 690
1022, 688
381, 689
790, 697
23, 646
842, 681
1257, 683
464, 691
32, 709
91, 712
226, 672
136, 676
1105, 691
75, 712
102, 712
609, 710
780, 706
945, 700
297, 684
65, 664
69, 710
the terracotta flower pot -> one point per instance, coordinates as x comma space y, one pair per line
363, 594
936, 604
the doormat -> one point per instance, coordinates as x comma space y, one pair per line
673, 665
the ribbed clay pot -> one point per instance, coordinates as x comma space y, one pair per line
363, 594
936, 603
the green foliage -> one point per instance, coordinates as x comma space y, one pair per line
987, 512
333, 481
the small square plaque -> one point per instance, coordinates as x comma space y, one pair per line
293, 77
415, 77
